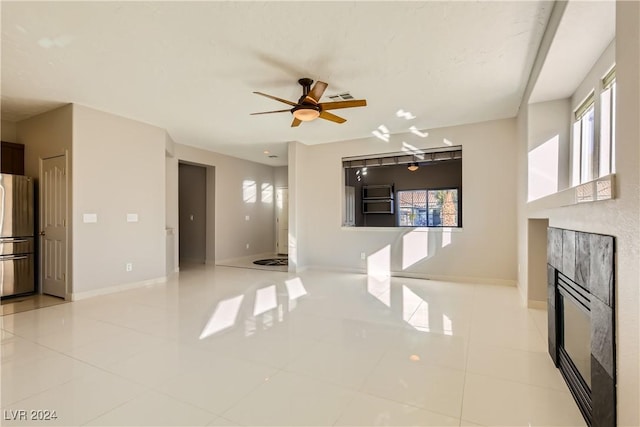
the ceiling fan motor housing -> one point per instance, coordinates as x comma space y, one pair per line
306, 83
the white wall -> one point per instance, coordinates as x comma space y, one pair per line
281, 176
232, 230
50, 134
485, 249
9, 131
594, 76
295, 176
548, 120
45, 135
171, 213
618, 217
119, 168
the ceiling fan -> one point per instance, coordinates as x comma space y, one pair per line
309, 106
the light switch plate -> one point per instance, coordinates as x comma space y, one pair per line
89, 218
132, 217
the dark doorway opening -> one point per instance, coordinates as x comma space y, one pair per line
192, 213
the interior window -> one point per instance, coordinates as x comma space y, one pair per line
420, 188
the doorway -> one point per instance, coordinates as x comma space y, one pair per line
282, 221
53, 226
192, 213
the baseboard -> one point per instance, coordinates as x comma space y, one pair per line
76, 296
523, 295
424, 276
458, 279
539, 305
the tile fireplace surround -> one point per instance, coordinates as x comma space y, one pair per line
581, 274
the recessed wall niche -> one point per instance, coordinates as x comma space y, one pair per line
421, 188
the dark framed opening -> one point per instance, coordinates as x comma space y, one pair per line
421, 188
574, 341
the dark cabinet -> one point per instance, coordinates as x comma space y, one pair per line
377, 199
12, 156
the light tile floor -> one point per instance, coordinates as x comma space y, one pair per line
226, 346
26, 303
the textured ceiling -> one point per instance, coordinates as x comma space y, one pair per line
585, 31
191, 67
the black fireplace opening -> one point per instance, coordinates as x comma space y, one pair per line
581, 319
574, 341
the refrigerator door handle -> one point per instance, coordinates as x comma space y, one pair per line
13, 257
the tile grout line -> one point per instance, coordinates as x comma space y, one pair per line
466, 363
359, 389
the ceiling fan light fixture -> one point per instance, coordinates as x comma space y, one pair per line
413, 167
306, 114
309, 107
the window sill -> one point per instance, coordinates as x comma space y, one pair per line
597, 190
403, 228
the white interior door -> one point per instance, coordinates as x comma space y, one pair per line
53, 226
282, 221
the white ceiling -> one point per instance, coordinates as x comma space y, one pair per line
191, 67
585, 31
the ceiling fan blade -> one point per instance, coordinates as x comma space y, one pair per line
293, 104
331, 117
316, 92
295, 122
269, 112
343, 104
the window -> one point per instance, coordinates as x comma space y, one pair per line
429, 208
608, 125
593, 154
583, 142
413, 208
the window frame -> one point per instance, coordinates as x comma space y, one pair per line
579, 174
458, 204
601, 142
608, 85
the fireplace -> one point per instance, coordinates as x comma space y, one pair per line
581, 319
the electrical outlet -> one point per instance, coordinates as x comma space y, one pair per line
129, 266
247, 246
363, 256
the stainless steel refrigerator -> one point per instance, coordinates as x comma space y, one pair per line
17, 264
